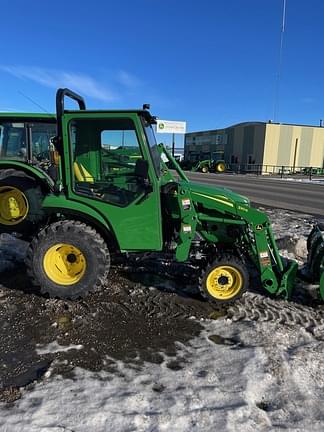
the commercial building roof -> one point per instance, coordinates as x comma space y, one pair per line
251, 123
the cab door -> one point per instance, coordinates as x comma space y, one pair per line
105, 154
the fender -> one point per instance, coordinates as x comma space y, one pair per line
60, 204
29, 170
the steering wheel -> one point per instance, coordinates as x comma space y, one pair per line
42, 156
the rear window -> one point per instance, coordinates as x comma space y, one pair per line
14, 137
41, 133
13, 143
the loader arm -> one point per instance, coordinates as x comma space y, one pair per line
200, 209
277, 277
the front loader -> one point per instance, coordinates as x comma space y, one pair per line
99, 186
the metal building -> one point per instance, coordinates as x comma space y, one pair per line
268, 145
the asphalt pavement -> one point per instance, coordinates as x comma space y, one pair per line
290, 194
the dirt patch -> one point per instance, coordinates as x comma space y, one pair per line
130, 320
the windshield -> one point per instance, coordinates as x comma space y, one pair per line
162, 159
170, 163
156, 156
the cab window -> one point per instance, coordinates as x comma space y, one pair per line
105, 160
41, 133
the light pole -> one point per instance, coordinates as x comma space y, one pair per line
173, 144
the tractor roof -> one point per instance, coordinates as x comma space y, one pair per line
34, 116
52, 117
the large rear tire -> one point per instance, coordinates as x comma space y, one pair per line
225, 280
220, 167
20, 202
68, 259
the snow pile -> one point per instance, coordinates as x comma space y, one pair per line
291, 231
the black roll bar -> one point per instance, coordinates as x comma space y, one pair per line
65, 92
60, 96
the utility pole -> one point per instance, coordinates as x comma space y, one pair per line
173, 144
278, 78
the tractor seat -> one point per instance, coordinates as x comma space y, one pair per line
81, 173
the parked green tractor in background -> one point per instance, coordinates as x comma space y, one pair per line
209, 165
84, 186
313, 171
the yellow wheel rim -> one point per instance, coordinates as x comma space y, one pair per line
13, 205
224, 282
220, 167
64, 264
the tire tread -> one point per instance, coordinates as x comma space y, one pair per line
98, 245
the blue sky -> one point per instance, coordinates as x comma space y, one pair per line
210, 63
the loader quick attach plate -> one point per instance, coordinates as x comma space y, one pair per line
315, 259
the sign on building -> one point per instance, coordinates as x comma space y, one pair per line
168, 126
221, 138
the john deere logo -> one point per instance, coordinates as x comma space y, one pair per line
161, 125
259, 227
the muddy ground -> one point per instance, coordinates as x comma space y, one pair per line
128, 320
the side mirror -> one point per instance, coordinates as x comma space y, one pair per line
141, 169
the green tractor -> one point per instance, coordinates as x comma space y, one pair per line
209, 165
313, 171
84, 186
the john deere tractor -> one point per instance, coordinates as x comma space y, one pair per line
210, 165
83, 185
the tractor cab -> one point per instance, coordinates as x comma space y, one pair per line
109, 161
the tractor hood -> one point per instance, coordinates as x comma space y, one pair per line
212, 196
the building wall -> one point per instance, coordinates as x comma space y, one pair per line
258, 143
293, 145
201, 145
259, 139
245, 143
237, 143
317, 151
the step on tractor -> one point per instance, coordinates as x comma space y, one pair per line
86, 186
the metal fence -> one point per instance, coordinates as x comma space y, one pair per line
282, 171
277, 170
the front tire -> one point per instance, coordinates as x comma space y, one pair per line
225, 280
204, 169
68, 259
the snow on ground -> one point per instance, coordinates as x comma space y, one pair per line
313, 180
54, 347
291, 231
236, 376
